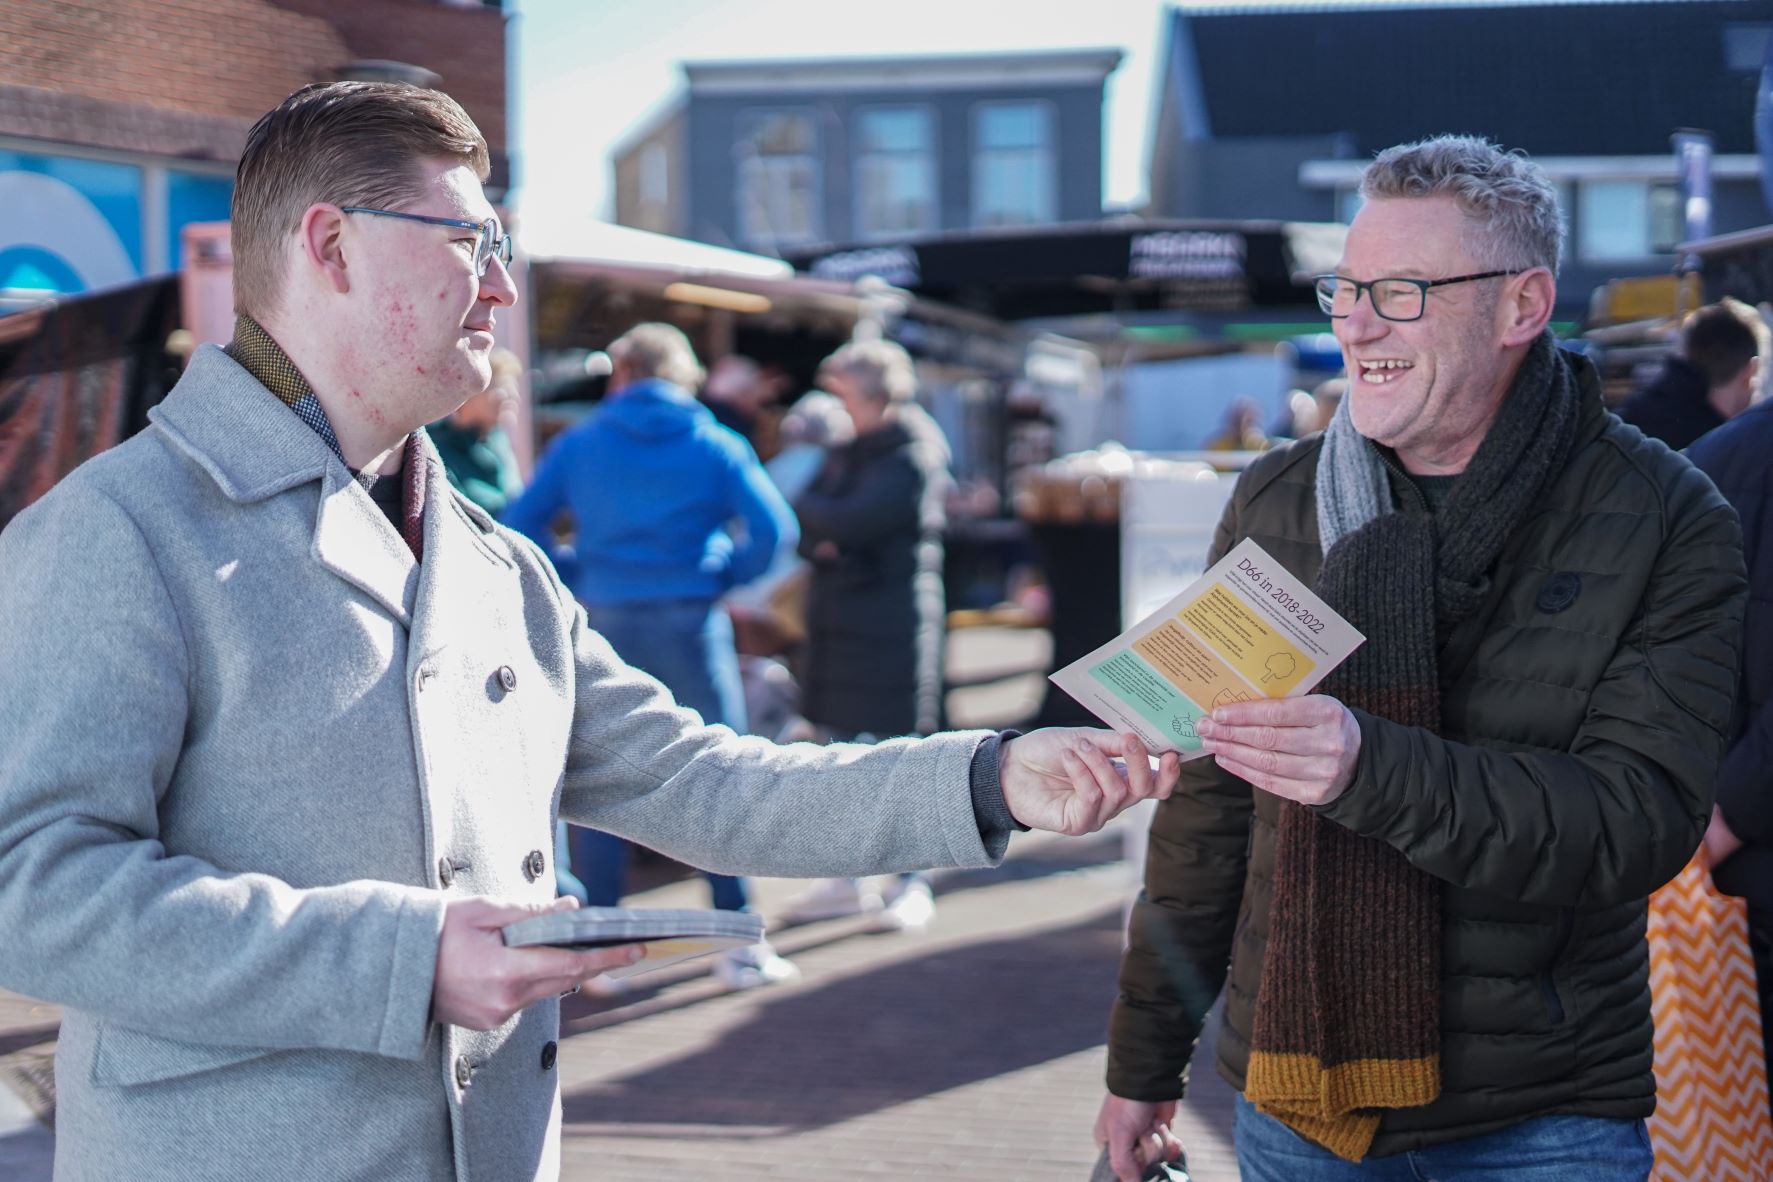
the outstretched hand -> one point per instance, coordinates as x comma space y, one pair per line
1066, 779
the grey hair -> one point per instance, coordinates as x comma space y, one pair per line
658, 351
1510, 204
881, 369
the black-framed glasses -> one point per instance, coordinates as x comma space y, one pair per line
1393, 299
490, 244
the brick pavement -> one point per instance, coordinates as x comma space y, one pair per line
971, 1050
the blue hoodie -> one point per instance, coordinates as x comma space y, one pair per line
654, 485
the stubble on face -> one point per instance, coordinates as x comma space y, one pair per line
426, 304
1425, 388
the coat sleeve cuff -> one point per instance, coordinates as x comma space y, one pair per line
990, 811
406, 1022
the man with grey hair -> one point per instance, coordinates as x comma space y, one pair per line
1427, 881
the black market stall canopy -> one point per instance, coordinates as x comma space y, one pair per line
590, 287
1121, 266
1738, 265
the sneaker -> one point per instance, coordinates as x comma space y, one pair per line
911, 911
603, 987
830, 898
754, 966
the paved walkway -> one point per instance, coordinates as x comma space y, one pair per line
971, 1050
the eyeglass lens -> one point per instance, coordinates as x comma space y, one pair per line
1394, 299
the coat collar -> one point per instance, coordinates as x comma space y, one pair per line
254, 447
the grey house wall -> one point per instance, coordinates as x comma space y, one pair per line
714, 120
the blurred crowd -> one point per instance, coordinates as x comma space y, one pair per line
800, 599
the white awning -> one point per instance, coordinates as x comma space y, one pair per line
590, 240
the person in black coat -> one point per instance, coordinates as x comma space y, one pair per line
1714, 378
871, 526
1739, 841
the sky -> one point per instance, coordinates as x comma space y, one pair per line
590, 72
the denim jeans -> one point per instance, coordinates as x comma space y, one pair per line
1545, 1149
688, 645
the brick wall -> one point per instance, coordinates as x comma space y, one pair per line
465, 45
221, 64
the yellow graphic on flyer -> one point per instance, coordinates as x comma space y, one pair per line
1191, 668
1241, 638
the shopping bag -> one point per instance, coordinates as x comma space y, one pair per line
1711, 1122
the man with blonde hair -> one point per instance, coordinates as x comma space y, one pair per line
286, 722
1424, 887
670, 511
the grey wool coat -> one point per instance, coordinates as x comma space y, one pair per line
249, 748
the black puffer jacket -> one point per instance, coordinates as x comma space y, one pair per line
1674, 407
872, 526
1572, 777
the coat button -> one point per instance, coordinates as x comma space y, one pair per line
507, 678
550, 1052
464, 1072
534, 865
446, 871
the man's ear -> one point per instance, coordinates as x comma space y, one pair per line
323, 245
1527, 302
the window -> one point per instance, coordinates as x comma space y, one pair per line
652, 188
1745, 47
895, 172
778, 173
1013, 181
1627, 219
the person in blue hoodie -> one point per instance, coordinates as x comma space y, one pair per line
670, 510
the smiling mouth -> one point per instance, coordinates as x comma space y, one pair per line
1377, 373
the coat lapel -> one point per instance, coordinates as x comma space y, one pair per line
456, 583
356, 542
255, 448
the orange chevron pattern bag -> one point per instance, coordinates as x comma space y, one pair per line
1711, 1122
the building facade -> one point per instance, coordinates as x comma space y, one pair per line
782, 157
121, 121
1274, 112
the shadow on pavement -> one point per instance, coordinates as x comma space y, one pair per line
820, 1054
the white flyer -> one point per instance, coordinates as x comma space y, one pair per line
1248, 628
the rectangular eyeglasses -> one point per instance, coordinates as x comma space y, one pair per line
1393, 299
491, 243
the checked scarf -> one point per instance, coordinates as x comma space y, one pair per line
1348, 1010
266, 361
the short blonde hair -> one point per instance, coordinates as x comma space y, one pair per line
346, 143
658, 351
882, 370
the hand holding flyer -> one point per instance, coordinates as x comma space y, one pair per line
1245, 629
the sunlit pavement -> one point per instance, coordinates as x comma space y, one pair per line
971, 1050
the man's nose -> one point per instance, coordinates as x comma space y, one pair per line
497, 286
1362, 323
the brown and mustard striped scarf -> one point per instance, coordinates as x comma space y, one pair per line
262, 357
1348, 1011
